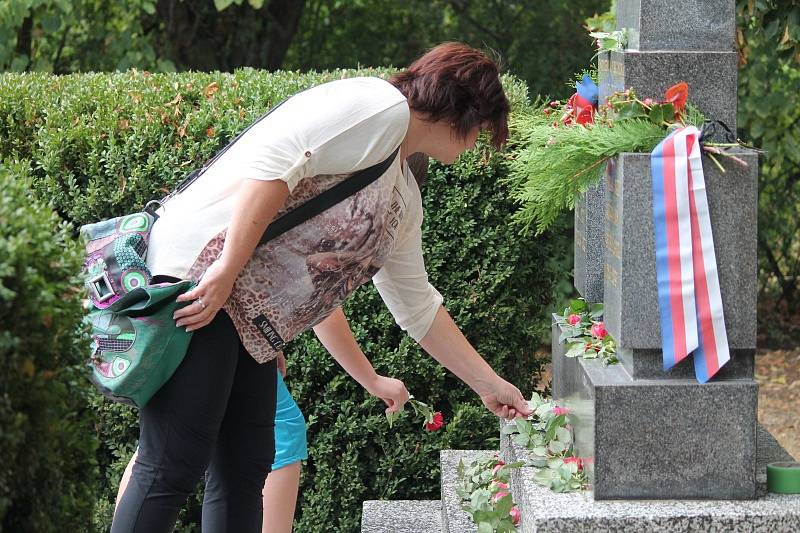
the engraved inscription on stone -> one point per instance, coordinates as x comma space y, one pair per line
611, 183
617, 69
580, 241
580, 225
611, 275
613, 246
612, 215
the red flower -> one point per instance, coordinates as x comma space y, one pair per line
599, 330
437, 423
558, 411
576, 460
677, 95
516, 516
579, 110
574, 319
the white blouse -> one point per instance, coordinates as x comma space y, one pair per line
335, 128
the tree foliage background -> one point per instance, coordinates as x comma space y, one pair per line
541, 42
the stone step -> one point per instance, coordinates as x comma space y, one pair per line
402, 516
544, 511
454, 518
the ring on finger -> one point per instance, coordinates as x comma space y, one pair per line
200, 301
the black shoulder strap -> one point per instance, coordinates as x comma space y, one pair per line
327, 199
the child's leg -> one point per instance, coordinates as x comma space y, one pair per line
126, 476
280, 490
280, 498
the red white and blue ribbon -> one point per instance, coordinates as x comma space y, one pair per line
689, 296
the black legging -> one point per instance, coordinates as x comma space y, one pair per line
216, 415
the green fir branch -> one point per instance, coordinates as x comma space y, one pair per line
552, 165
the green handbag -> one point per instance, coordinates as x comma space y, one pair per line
135, 344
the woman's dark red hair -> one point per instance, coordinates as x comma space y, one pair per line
454, 82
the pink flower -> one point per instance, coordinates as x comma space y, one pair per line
574, 319
558, 411
599, 330
497, 467
437, 423
576, 460
499, 496
648, 101
498, 485
516, 516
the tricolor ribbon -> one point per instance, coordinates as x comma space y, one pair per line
689, 297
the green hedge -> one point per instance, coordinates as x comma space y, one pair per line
99, 145
48, 472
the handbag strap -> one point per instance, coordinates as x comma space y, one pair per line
327, 199
193, 175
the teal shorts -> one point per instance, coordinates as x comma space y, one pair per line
290, 429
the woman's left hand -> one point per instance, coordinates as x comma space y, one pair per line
207, 297
505, 400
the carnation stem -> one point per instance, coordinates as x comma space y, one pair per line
714, 159
736, 159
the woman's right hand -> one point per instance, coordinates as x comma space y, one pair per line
505, 400
392, 391
207, 297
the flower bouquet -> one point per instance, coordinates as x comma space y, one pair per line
561, 147
547, 434
584, 332
486, 496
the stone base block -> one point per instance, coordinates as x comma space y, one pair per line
544, 511
455, 518
631, 297
664, 438
401, 516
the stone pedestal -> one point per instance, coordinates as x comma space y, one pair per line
544, 511
649, 433
631, 297
661, 25
664, 438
